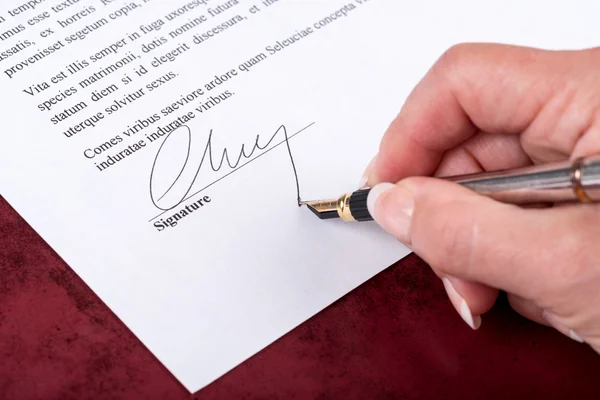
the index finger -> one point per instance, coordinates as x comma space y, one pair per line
492, 88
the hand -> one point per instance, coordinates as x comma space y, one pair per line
491, 107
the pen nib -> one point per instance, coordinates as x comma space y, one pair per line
323, 209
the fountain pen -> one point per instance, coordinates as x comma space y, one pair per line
563, 182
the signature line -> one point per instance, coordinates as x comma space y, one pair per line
238, 168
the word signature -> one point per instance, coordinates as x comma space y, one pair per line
187, 176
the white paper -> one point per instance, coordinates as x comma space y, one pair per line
250, 265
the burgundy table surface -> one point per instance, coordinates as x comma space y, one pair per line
395, 337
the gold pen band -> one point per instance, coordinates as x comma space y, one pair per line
343, 208
576, 181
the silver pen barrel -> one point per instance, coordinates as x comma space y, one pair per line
548, 183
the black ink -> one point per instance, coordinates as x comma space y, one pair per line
243, 155
287, 143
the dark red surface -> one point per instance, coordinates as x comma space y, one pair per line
396, 337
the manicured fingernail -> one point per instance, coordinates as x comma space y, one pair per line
392, 207
575, 336
363, 182
365, 178
461, 305
562, 328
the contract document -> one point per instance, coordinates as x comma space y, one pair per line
160, 146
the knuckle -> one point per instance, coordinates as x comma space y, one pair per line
548, 140
462, 55
455, 54
456, 68
451, 59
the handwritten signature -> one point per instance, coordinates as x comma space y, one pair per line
187, 176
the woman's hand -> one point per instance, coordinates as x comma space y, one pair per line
490, 107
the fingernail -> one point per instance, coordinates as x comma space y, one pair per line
363, 182
461, 305
365, 178
391, 206
575, 336
559, 326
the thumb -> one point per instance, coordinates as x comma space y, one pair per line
460, 233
